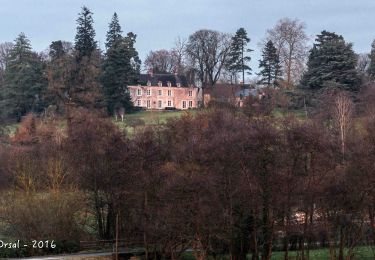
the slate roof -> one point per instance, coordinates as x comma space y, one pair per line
225, 91
164, 78
247, 92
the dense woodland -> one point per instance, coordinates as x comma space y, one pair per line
225, 181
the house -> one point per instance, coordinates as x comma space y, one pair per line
234, 94
164, 91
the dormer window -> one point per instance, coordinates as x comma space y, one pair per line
148, 83
178, 84
169, 84
160, 84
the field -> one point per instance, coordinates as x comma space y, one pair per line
156, 117
138, 120
364, 252
131, 121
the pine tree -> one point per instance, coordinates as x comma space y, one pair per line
270, 65
24, 81
371, 69
120, 68
332, 61
114, 32
85, 90
59, 70
85, 43
56, 50
238, 61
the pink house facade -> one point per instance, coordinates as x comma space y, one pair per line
164, 91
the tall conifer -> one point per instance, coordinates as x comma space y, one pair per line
120, 67
270, 65
238, 61
332, 61
114, 32
85, 43
85, 90
24, 81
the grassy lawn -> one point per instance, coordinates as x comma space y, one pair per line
138, 120
131, 121
278, 112
11, 129
364, 252
155, 117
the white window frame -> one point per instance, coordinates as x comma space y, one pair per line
184, 104
190, 93
190, 104
139, 103
160, 92
169, 93
139, 92
169, 103
160, 104
148, 103
148, 92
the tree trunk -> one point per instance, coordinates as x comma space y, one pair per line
341, 245
99, 216
267, 229
372, 222
286, 239
145, 225
255, 251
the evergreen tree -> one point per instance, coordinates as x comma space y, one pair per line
114, 32
56, 50
332, 61
85, 43
24, 81
85, 90
238, 61
371, 69
270, 65
119, 69
59, 71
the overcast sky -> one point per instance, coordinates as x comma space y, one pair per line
159, 22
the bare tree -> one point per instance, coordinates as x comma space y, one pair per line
161, 61
342, 114
290, 40
363, 64
5, 48
207, 52
179, 51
